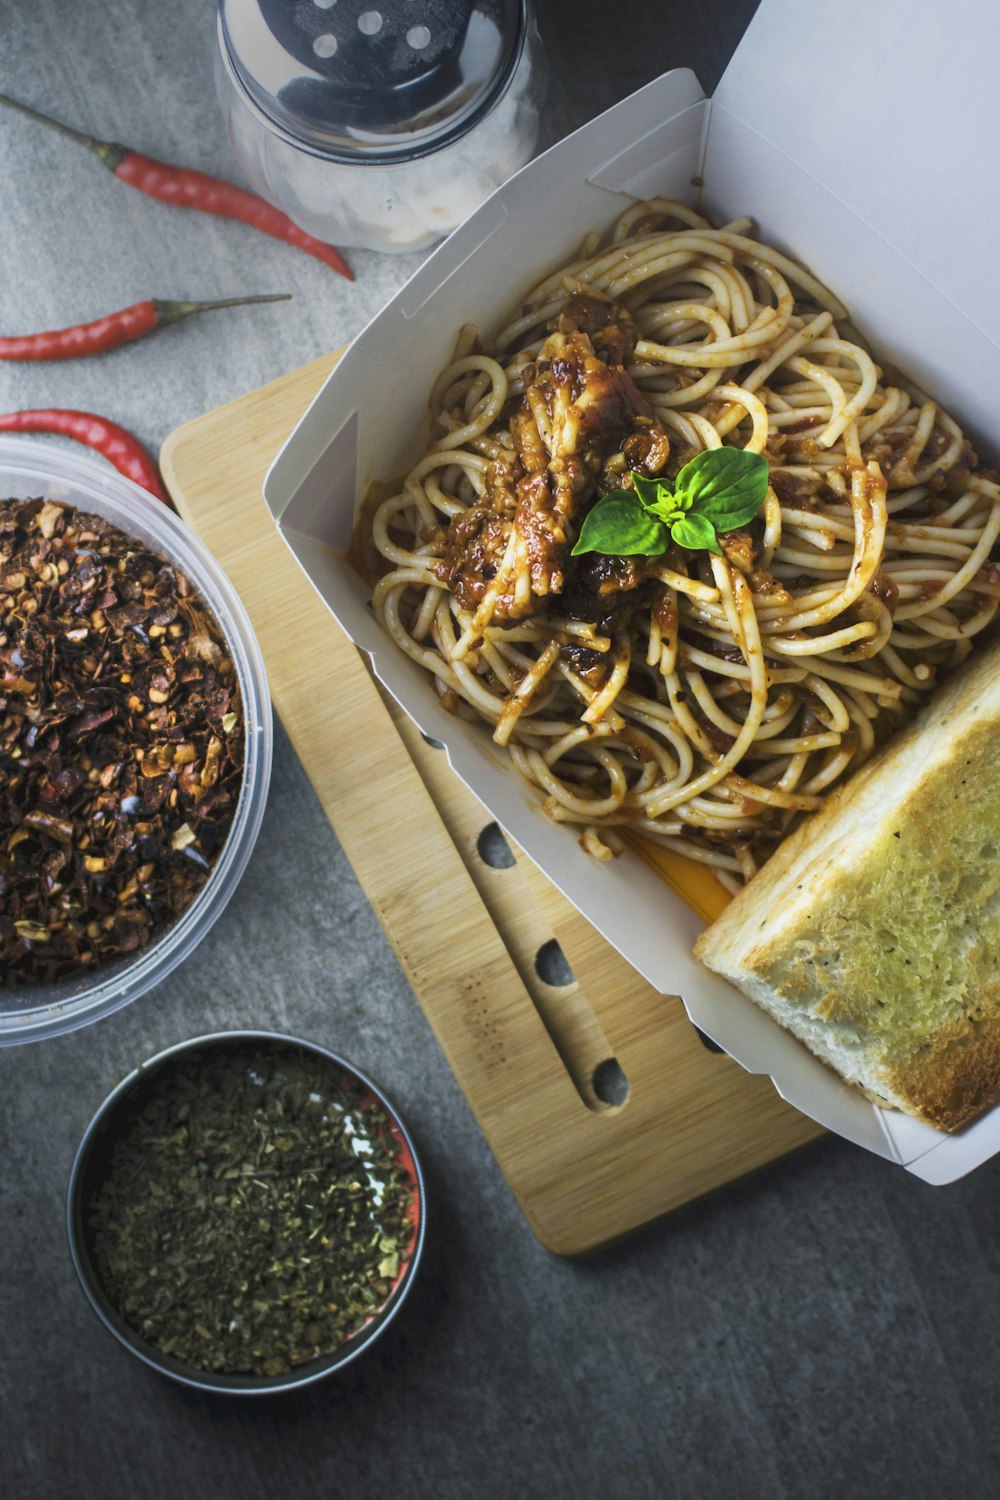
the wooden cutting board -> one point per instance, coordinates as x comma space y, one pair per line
602, 1104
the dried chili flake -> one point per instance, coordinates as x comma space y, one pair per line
121, 742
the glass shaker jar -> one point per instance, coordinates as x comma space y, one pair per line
380, 123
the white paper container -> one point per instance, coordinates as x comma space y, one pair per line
849, 132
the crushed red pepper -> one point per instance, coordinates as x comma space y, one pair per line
121, 743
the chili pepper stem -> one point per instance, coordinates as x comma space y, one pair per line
173, 312
109, 152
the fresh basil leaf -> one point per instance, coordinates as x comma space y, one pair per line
730, 520
620, 526
670, 507
667, 509
695, 532
652, 492
727, 486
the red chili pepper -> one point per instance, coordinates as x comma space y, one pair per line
186, 188
107, 438
116, 328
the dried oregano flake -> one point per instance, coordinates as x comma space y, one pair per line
255, 1212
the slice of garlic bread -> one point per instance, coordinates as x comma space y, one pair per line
873, 933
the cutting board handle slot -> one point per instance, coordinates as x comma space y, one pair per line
584, 1175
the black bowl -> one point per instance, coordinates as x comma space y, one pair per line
89, 1168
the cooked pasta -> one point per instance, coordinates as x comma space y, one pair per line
703, 700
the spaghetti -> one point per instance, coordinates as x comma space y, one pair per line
703, 700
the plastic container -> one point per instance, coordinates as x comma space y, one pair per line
382, 124
91, 1157
29, 469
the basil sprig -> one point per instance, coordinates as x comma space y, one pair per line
718, 491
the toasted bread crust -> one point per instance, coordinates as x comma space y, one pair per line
874, 932
960, 1078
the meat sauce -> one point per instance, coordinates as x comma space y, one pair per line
596, 426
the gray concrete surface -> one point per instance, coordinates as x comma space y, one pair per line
823, 1329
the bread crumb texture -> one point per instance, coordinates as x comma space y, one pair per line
883, 956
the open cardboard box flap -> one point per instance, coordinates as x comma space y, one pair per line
825, 119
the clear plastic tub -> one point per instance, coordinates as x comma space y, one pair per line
30, 469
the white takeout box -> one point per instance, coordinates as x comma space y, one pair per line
849, 130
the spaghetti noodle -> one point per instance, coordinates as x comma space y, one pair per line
703, 700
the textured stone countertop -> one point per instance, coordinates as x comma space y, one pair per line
825, 1328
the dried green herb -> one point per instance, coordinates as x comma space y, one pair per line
256, 1210
121, 742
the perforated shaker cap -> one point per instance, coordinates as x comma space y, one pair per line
372, 80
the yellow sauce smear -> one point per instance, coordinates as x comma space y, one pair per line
693, 882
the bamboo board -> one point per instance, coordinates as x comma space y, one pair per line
539, 1054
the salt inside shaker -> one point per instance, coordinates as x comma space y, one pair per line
381, 123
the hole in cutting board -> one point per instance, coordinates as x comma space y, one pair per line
552, 967
706, 1041
493, 848
610, 1083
